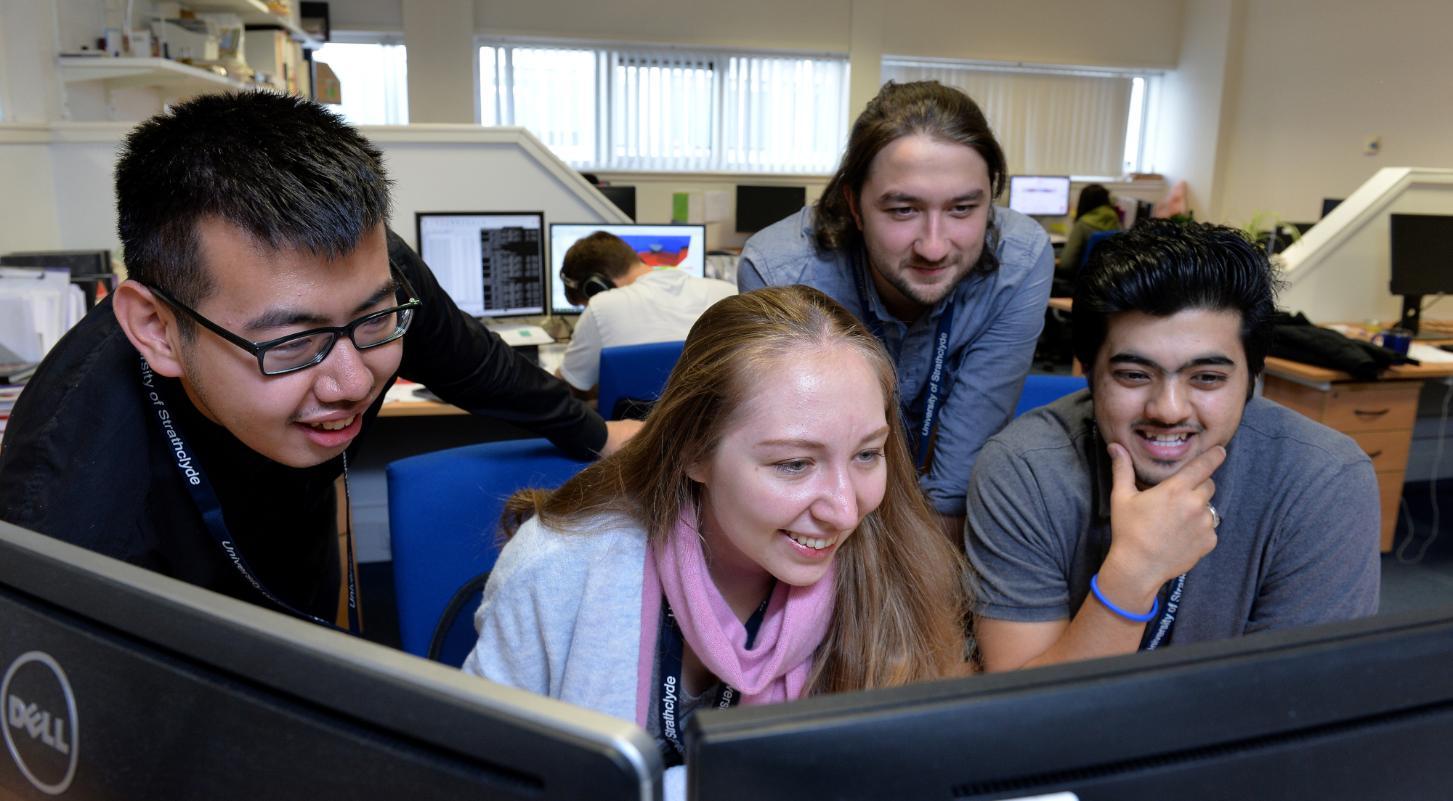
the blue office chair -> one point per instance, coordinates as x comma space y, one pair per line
1094, 240
1042, 388
632, 377
443, 512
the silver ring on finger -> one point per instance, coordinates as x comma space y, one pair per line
1215, 515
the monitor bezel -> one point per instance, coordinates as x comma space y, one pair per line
389, 690
737, 208
1400, 282
554, 272
544, 254
1068, 193
1090, 718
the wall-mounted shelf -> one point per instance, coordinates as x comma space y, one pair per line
255, 12
141, 72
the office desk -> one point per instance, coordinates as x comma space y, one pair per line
418, 408
402, 403
1379, 415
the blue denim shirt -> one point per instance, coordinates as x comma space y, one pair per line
997, 320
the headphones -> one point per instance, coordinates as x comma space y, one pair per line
593, 285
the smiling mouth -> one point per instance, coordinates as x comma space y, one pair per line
1164, 439
333, 425
815, 543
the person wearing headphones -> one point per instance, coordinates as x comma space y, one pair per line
627, 302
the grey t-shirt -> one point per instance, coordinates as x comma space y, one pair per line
1297, 544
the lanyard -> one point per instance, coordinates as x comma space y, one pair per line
669, 702
205, 498
920, 415
1158, 634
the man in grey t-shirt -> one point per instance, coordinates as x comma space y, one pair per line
1164, 504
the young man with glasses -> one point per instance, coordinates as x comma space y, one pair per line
197, 422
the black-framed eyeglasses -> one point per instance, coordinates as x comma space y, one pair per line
305, 349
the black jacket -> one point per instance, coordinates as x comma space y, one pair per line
1296, 338
83, 460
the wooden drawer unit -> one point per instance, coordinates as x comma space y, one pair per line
1350, 408
1387, 449
1378, 415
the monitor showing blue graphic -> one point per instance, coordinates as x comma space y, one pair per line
1040, 195
681, 247
492, 263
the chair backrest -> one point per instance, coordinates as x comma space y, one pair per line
634, 373
1042, 388
1094, 239
443, 511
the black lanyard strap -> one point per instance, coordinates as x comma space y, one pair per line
205, 498
1158, 633
670, 646
921, 414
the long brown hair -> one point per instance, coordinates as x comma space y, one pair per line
904, 109
901, 586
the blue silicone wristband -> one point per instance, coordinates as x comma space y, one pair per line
1105, 602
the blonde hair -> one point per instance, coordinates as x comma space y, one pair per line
902, 596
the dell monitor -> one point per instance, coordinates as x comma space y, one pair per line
121, 683
1353, 710
491, 263
760, 206
1040, 195
1422, 261
677, 246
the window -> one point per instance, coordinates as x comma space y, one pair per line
1049, 120
374, 78
639, 109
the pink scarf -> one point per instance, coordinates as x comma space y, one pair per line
775, 669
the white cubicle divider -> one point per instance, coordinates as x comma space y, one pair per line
68, 200
1339, 270
469, 168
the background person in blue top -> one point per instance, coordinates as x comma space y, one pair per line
907, 237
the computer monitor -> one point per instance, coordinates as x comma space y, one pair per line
1040, 195
680, 246
624, 198
121, 683
1144, 211
1422, 261
1354, 710
90, 269
760, 206
492, 263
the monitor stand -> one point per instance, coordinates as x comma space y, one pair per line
1412, 313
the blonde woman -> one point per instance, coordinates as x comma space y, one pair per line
763, 537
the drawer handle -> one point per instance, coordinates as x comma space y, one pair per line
1375, 454
1370, 412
